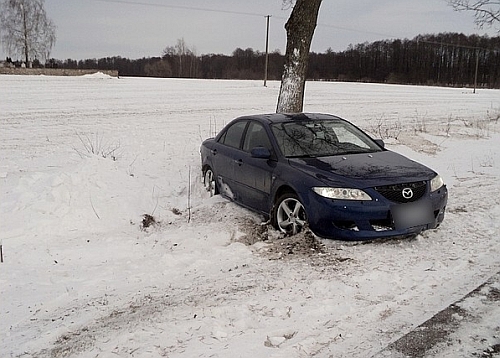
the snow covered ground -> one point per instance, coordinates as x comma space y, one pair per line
83, 159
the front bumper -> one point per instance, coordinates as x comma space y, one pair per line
368, 220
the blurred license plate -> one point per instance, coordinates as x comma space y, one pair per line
413, 214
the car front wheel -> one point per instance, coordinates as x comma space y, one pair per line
209, 182
289, 215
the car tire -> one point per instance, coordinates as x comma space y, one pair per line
210, 182
289, 215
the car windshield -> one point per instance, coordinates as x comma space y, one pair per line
321, 138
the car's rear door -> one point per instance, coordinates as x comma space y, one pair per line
253, 176
224, 157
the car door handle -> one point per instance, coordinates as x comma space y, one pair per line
238, 161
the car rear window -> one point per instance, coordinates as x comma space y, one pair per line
232, 136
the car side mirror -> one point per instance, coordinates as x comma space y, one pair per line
380, 143
260, 153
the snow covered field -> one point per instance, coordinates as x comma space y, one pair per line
83, 277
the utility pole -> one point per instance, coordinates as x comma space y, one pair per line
267, 51
476, 50
477, 67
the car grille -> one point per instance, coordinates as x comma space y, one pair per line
395, 193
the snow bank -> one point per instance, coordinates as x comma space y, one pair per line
98, 74
83, 276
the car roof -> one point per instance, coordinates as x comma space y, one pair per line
288, 117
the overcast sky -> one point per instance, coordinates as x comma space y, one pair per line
143, 28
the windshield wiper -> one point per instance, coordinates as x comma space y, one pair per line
302, 156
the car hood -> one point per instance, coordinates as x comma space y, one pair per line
364, 170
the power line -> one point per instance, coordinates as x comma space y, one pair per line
243, 13
457, 45
180, 7
357, 30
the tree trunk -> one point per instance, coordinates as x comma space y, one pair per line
25, 35
300, 30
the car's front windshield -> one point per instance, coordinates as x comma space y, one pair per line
320, 138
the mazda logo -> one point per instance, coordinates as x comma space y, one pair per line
407, 193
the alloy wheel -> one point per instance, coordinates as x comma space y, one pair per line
209, 182
290, 216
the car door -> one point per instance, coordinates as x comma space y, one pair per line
224, 157
252, 175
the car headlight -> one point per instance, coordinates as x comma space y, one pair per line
342, 193
436, 183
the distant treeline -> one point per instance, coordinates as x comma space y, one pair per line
447, 59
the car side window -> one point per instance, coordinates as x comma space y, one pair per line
256, 136
232, 136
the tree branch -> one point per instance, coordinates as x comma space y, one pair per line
486, 12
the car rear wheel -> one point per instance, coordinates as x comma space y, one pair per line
289, 215
209, 182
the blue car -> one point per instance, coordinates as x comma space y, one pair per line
321, 171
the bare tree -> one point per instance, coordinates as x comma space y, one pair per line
300, 30
185, 58
181, 49
486, 12
25, 29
